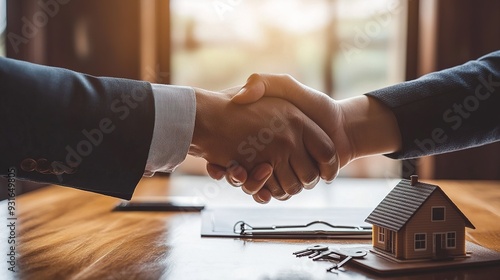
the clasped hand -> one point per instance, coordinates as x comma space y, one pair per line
273, 137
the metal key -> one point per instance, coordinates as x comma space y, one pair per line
311, 250
331, 254
316, 253
348, 254
334, 253
328, 254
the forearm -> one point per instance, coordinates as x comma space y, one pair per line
453, 109
208, 106
371, 126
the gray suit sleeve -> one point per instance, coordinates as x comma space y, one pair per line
449, 110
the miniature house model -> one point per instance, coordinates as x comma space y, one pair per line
418, 221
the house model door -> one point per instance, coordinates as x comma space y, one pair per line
390, 241
439, 244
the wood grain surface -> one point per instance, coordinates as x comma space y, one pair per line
63, 233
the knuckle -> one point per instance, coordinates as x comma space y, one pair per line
254, 77
288, 143
295, 120
286, 77
286, 140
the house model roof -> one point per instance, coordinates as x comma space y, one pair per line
397, 208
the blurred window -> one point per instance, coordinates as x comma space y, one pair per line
3, 24
341, 47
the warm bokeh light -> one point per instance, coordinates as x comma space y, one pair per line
218, 43
341, 47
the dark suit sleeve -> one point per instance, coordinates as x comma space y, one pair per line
450, 110
71, 129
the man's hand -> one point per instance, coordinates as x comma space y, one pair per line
319, 107
273, 132
358, 126
322, 109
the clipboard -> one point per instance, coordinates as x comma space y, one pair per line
286, 223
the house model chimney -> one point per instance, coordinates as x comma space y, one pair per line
414, 179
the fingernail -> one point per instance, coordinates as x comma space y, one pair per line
238, 170
242, 91
264, 202
262, 173
235, 182
220, 175
312, 184
294, 189
258, 199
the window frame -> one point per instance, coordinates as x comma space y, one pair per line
381, 235
419, 241
444, 213
448, 239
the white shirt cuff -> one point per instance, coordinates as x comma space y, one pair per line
175, 110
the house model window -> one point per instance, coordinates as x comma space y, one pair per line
451, 239
418, 221
420, 241
381, 235
438, 213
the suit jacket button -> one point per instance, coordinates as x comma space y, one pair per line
28, 165
43, 166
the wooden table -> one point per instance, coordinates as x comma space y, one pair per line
63, 233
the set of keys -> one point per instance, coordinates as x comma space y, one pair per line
342, 255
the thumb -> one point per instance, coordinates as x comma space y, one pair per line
251, 92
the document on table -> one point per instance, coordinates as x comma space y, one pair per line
286, 223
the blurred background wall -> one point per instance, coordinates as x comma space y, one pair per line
443, 34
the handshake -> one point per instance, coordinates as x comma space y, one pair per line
275, 136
